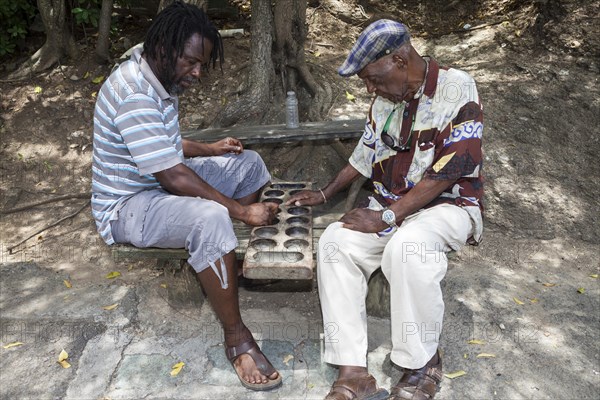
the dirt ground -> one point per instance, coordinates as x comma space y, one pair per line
539, 86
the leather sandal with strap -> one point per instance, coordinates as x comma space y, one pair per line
419, 384
262, 364
362, 388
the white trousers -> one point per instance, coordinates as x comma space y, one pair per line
413, 259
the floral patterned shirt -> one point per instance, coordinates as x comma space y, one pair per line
441, 131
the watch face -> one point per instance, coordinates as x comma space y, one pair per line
389, 217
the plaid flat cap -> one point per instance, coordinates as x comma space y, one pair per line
377, 40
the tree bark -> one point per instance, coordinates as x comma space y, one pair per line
275, 70
103, 43
255, 100
59, 41
289, 57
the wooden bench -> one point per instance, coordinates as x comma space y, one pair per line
182, 287
180, 278
264, 134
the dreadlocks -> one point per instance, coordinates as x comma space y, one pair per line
171, 29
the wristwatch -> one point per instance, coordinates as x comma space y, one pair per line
389, 217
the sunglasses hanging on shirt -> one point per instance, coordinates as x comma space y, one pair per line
389, 141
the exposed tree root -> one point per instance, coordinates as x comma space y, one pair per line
47, 201
11, 248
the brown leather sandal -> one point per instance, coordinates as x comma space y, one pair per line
264, 366
363, 388
419, 384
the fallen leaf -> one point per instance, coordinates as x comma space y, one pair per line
549, 284
40, 237
311, 385
13, 344
37, 89
465, 355
350, 96
176, 369
94, 94
287, 359
112, 275
595, 276
86, 75
65, 364
455, 374
317, 54
534, 300
519, 302
68, 283
581, 290
111, 307
98, 79
486, 355
163, 285
476, 341
63, 355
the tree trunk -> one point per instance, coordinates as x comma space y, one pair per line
289, 56
255, 100
287, 62
103, 43
59, 41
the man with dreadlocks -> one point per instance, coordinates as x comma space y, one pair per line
151, 188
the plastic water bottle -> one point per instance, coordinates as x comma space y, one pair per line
291, 111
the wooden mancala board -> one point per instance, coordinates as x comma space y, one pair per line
283, 250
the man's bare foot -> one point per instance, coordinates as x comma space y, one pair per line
247, 370
251, 366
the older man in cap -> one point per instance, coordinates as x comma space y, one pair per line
422, 150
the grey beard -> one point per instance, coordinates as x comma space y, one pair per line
176, 90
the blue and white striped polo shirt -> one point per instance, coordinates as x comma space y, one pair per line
136, 133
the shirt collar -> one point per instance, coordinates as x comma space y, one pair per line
431, 78
136, 56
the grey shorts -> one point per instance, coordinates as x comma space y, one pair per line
156, 218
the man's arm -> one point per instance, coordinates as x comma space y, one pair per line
191, 148
182, 181
369, 221
345, 177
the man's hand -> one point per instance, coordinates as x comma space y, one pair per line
227, 145
258, 214
306, 198
364, 220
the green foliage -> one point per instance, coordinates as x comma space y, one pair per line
87, 12
15, 17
